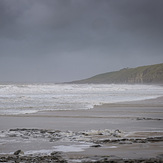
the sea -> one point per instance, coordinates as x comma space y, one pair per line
18, 99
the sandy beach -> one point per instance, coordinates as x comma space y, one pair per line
128, 130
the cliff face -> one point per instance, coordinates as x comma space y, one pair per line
138, 78
152, 74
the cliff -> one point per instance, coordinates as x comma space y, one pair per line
152, 74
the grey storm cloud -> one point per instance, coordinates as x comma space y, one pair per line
63, 40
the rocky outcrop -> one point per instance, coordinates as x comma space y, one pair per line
57, 158
54, 157
93, 138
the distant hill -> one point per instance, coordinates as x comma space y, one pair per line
152, 74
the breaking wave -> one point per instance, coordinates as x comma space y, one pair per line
23, 99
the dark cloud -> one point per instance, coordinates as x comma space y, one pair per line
61, 40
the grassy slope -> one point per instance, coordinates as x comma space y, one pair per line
145, 74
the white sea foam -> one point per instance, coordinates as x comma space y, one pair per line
61, 148
42, 151
23, 99
73, 147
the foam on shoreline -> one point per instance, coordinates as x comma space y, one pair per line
28, 99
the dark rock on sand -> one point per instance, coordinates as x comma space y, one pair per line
96, 145
155, 139
19, 152
130, 140
143, 118
55, 153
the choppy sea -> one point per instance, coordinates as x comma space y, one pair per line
32, 98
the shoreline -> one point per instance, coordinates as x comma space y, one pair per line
123, 131
153, 102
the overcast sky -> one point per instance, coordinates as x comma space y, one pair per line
65, 40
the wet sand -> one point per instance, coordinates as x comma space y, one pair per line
129, 120
126, 116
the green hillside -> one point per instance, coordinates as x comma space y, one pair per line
152, 74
